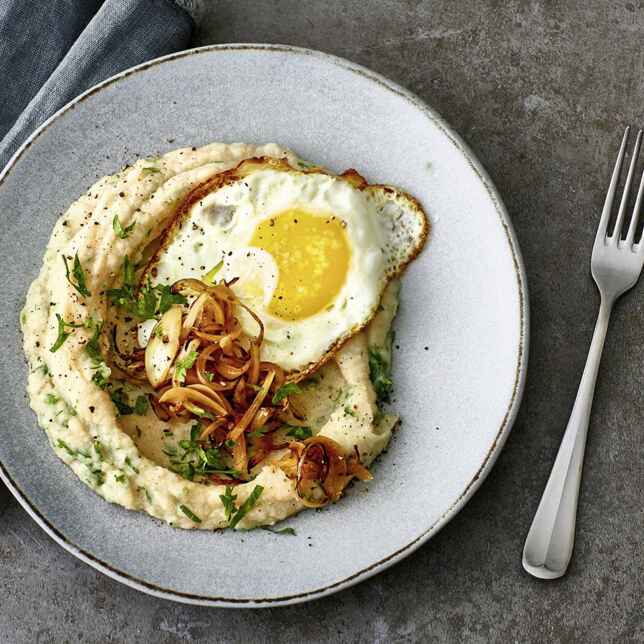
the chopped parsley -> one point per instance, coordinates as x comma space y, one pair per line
300, 433
119, 230
98, 448
141, 405
78, 274
63, 334
128, 462
196, 460
228, 499
259, 432
51, 399
285, 391
93, 349
63, 445
184, 364
148, 496
246, 506
289, 531
99, 477
148, 169
380, 374
120, 477
349, 411
149, 302
189, 513
101, 375
120, 401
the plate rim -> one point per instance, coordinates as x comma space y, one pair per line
520, 369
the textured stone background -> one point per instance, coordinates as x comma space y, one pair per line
540, 90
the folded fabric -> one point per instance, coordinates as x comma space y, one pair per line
52, 51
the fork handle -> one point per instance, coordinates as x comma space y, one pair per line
549, 544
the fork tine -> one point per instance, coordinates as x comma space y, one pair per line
610, 195
617, 230
636, 214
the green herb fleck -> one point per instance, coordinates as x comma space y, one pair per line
98, 448
300, 433
149, 302
62, 333
380, 374
189, 513
148, 496
289, 531
246, 506
121, 402
349, 411
78, 274
63, 445
119, 230
93, 349
289, 389
259, 432
148, 169
120, 477
99, 477
184, 364
128, 462
141, 405
228, 499
51, 399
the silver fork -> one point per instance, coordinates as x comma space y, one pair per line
616, 265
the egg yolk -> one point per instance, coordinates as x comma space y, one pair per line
312, 254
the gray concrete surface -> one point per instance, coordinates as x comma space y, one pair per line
540, 90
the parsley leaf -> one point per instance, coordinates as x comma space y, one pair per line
289, 531
78, 274
259, 432
101, 374
121, 402
189, 513
228, 499
380, 374
51, 399
149, 302
62, 333
93, 350
301, 433
184, 364
93, 347
63, 445
128, 462
285, 391
141, 405
197, 460
119, 230
246, 506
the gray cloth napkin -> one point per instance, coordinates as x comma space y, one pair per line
53, 50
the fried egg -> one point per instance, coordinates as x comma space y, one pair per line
310, 252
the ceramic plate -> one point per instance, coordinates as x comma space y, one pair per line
462, 329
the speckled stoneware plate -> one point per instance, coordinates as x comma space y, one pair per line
462, 327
